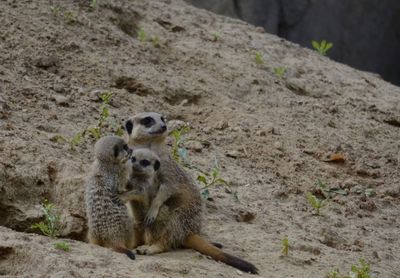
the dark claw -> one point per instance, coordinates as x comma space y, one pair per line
148, 221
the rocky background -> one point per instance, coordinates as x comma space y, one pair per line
365, 34
316, 127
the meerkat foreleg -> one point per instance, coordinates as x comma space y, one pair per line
133, 195
162, 195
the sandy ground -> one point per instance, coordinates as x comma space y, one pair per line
271, 136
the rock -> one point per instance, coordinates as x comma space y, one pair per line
221, 125
261, 133
331, 238
176, 124
278, 145
232, 154
245, 216
61, 100
95, 95
46, 62
367, 204
195, 146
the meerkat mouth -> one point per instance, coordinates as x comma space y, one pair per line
160, 131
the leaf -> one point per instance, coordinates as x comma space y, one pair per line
328, 46
215, 172
315, 45
338, 191
205, 193
323, 44
58, 139
369, 192
202, 179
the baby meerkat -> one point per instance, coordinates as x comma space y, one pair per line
142, 187
109, 222
178, 222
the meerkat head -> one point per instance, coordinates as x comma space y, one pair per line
146, 127
144, 162
112, 149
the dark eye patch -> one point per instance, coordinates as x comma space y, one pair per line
133, 159
156, 165
163, 119
147, 122
129, 126
116, 150
144, 163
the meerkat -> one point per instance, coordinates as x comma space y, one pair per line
178, 193
108, 220
141, 188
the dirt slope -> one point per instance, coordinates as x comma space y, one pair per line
270, 136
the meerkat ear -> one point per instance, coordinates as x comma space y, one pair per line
156, 165
129, 126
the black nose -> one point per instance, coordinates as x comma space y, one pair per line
163, 127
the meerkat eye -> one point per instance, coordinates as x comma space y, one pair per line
147, 122
133, 159
128, 126
144, 163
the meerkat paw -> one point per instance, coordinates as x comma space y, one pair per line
149, 249
151, 216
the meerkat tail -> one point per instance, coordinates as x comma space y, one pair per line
125, 251
199, 244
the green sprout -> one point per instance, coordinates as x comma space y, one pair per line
75, 141
316, 203
142, 35
97, 131
285, 246
70, 17
322, 47
179, 153
51, 225
259, 59
93, 4
62, 246
333, 274
210, 179
215, 35
155, 40
280, 71
362, 271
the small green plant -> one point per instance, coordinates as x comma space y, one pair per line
142, 36
155, 40
179, 153
316, 203
62, 246
75, 141
97, 131
210, 179
259, 58
322, 47
215, 36
361, 271
56, 10
70, 17
280, 71
333, 274
93, 4
285, 246
51, 225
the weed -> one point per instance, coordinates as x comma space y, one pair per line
51, 225
333, 274
70, 17
330, 191
179, 153
62, 246
56, 10
210, 179
259, 59
369, 192
75, 141
316, 203
280, 71
362, 271
97, 131
142, 35
155, 40
215, 36
322, 47
285, 246
93, 4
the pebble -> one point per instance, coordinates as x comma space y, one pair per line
221, 125
46, 62
61, 100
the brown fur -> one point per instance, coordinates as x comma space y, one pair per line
178, 199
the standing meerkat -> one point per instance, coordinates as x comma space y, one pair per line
109, 222
178, 192
142, 187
